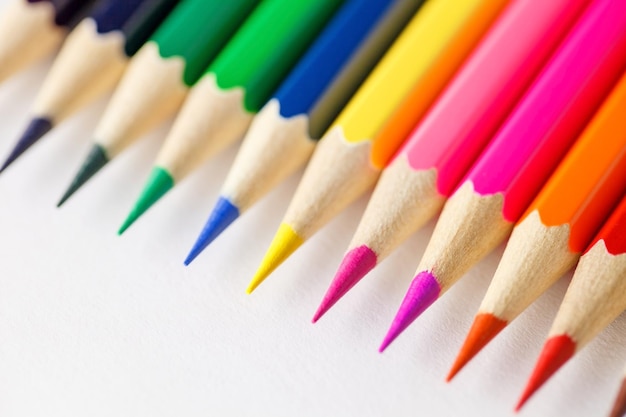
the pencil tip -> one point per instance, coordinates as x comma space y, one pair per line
35, 130
484, 328
556, 351
284, 244
422, 293
159, 183
96, 159
354, 266
619, 406
223, 215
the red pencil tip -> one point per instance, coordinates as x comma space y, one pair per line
619, 406
556, 351
485, 327
354, 266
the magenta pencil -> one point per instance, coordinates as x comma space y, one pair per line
443, 146
542, 127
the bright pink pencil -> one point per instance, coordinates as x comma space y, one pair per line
481, 212
442, 148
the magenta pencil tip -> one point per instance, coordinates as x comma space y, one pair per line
422, 293
354, 266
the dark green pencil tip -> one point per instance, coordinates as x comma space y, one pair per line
159, 183
36, 129
96, 159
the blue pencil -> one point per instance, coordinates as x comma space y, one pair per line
282, 136
91, 62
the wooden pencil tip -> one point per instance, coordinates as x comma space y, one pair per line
96, 159
36, 129
354, 266
223, 215
422, 293
284, 244
556, 351
619, 406
159, 183
484, 328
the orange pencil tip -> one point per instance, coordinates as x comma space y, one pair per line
556, 351
484, 328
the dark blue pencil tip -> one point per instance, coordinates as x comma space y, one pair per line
36, 129
222, 216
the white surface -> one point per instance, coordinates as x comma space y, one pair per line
92, 324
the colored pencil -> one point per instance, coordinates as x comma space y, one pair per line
160, 75
619, 406
90, 63
32, 29
282, 136
236, 85
443, 146
522, 155
597, 294
558, 225
357, 146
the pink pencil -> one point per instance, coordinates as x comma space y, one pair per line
481, 212
442, 148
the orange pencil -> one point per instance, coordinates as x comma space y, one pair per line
559, 224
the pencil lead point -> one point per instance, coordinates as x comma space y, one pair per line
35, 130
422, 293
96, 159
484, 328
556, 351
159, 183
284, 244
223, 215
354, 266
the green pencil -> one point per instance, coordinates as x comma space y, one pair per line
160, 75
236, 85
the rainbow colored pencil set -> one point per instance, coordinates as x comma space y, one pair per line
504, 118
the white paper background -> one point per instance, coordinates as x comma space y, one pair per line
92, 324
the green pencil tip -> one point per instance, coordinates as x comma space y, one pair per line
96, 159
159, 183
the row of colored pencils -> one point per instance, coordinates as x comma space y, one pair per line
505, 115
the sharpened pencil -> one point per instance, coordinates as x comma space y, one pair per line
521, 157
595, 297
559, 224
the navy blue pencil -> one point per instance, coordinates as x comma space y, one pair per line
91, 62
282, 136
32, 29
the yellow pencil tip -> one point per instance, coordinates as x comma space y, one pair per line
285, 242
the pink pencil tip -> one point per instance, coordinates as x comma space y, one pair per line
354, 266
422, 293
319, 313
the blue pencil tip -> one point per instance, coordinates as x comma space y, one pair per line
224, 213
36, 129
